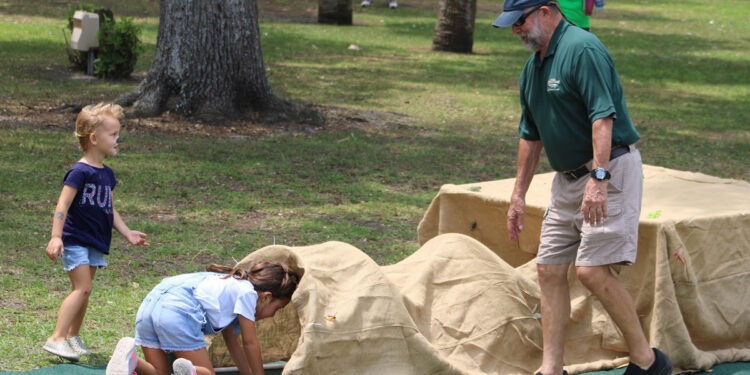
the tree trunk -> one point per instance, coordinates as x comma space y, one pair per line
454, 31
335, 12
208, 65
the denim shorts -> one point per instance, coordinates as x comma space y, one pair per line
170, 318
74, 256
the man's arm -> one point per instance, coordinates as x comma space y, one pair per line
601, 135
594, 206
528, 158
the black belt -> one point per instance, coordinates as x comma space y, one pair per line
584, 170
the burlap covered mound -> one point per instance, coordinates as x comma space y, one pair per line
453, 307
457, 306
690, 281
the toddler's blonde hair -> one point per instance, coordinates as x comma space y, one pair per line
91, 117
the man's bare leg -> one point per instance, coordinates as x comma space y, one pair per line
618, 303
555, 301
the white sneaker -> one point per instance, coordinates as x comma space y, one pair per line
366, 3
183, 366
61, 349
124, 358
392, 4
76, 343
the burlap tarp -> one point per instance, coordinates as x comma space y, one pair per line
690, 281
452, 307
463, 305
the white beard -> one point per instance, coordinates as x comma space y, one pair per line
534, 38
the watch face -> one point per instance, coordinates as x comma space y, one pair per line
600, 173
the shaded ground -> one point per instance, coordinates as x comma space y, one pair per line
62, 117
42, 113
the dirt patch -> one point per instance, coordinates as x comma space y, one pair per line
12, 303
62, 117
11, 270
54, 114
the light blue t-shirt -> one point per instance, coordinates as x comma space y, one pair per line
226, 298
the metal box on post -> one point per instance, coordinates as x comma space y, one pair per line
85, 35
85, 29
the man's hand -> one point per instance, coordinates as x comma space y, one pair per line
594, 206
136, 238
515, 217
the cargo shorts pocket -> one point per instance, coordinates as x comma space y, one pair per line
612, 226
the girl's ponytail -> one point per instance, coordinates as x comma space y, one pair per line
230, 271
272, 277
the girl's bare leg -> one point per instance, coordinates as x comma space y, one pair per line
77, 300
156, 363
75, 326
200, 359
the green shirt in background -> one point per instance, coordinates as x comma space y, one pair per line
573, 10
562, 96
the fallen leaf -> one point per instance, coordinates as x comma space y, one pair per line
654, 214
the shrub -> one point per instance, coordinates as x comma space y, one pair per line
119, 44
119, 47
78, 59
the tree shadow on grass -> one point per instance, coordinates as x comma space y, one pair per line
53, 8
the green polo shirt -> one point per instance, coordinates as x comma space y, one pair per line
562, 96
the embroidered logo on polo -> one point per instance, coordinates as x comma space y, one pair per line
553, 84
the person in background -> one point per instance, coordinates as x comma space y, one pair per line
575, 12
393, 4
573, 107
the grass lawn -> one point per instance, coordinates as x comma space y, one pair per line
403, 121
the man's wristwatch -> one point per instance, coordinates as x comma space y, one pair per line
600, 174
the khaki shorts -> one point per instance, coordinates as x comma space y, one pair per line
565, 237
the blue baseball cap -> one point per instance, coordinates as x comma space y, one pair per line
513, 9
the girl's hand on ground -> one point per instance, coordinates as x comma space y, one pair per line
54, 247
137, 238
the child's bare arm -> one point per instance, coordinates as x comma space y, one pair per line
236, 351
251, 346
55, 245
133, 236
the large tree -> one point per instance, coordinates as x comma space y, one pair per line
454, 31
208, 65
336, 12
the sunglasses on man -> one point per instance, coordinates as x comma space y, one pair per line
522, 19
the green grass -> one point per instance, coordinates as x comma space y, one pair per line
420, 119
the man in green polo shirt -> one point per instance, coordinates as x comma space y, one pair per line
574, 108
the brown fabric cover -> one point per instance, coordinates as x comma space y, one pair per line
689, 283
452, 307
456, 307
